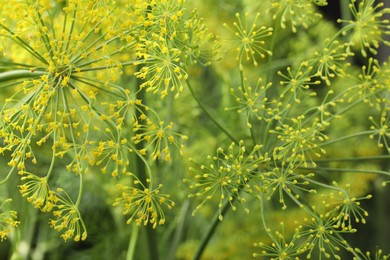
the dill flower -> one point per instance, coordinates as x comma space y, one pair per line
297, 82
369, 26
57, 79
285, 180
250, 39
331, 61
161, 68
323, 237
227, 173
281, 248
299, 143
294, 12
369, 256
36, 190
170, 40
144, 205
381, 129
159, 137
344, 207
8, 221
251, 101
67, 217
371, 85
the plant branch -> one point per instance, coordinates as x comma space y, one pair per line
219, 125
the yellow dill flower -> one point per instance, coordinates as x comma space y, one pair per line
158, 138
36, 190
144, 205
161, 68
285, 180
281, 247
7, 221
369, 27
381, 129
325, 236
226, 174
299, 143
331, 61
250, 39
371, 85
298, 82
67, 217
73, 56
294, 12
251, 101
344, 207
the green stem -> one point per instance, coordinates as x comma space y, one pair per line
345, 170
344, 138
18, 74
354, 159
81, 189
211, 229
344, 9
142, 168
209, 114
132, 242
8, 176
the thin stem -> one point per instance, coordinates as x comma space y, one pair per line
142, 168
353, 159
132, 242
344, 138
8, 176
81, 189
19, 74
350, 170
24, 45
211, 229
209, 115
345, 12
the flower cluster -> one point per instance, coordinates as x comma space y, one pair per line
250, 39
227, 174
299, 143
64, 89
67, 217
369, 26
294, 13
144, 205
8, 221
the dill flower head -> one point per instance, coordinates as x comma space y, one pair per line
36, 190
294, 13
67, 217
331, 61
369, 26
323, 237
143, 204
67, 57
299, 143
226, 174
380, 129
297, 82
8, 221
285, 180
345, 208
170, 40
251, 39
371, 85
281, 247
251, 101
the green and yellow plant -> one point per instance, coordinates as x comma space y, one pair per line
124, 103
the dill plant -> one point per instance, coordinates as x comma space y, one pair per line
110, 92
